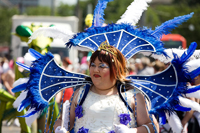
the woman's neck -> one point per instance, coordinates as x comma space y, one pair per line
108, 91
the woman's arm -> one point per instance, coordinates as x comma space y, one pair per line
72, 112
188, 115
143, 121
143, 116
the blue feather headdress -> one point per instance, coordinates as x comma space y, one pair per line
124, 36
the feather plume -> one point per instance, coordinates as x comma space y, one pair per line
20, 81
189, 103
187, 54
65, 116
34, 53
19, 99
181, 53
163, 58
98, 19
167, 26
55, 32
174, 122
29, 120
28, 59
134, 12
23, 66
195, 94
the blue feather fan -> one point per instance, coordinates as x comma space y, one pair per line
167, 26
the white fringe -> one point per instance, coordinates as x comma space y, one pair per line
65, 115
29, 120
134, 12
196, 54
194, 94
28, 59
19, 99
20, 81
192, 65
174, 122
189, 103
54, 32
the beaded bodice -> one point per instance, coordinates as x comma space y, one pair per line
100, 112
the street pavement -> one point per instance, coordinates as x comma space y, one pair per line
10, 129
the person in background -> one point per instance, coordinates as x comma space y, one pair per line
158, 66
67, 64
143, 66
8, 76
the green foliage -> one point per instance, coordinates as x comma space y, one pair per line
115, 9
166, 12
65, 10
46, 11
187, 2
152, 19
6, 24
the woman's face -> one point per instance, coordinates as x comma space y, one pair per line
100, 74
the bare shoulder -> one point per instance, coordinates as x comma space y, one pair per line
75, 97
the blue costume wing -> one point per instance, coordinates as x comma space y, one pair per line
46, 79
164, 89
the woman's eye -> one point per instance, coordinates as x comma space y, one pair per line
103, 66
92, 65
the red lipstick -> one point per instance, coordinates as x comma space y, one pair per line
96, 75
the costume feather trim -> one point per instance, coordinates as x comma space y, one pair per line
189, 103
167, 26
65, 116
134, 12
29, 120
98, 19
53, 32
163, 58
195, 94
170, 54
28, 59
20, 98
23, 66
174, 122
192, 68
20, 81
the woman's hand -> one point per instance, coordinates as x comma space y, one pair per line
124, 129
60, 130
57, 123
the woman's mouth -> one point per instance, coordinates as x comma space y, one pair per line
96, 75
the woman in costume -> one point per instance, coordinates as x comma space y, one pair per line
103, 110
165, 91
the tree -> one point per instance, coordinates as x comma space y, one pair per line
167, 12
187, 2
6, 24
65, 10
46, 11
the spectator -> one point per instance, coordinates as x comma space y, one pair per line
158, 66
143, 66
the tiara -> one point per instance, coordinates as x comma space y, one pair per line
106, 46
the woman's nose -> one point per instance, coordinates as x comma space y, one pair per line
96, 69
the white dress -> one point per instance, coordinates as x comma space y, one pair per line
100, 112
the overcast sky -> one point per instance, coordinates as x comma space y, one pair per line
70, 2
